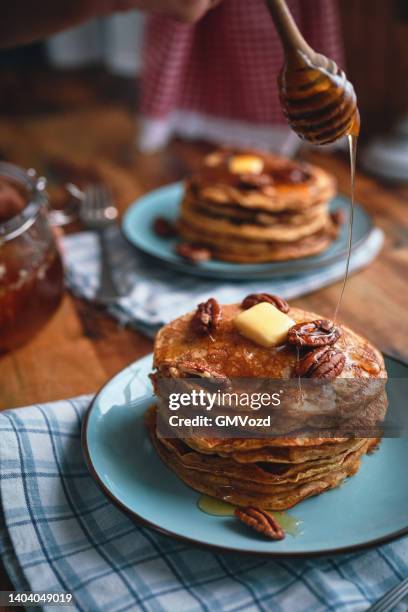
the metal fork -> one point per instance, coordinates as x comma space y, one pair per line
98, 213
392, 598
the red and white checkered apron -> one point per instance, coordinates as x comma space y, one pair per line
222, 70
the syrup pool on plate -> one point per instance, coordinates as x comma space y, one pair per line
217, 507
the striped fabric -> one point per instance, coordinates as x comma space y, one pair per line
155, 295
59, 533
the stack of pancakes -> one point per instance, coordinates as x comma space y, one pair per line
258, 207
270, 472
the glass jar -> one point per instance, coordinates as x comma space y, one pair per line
31, 272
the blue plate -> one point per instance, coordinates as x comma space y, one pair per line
369, 508
164, 202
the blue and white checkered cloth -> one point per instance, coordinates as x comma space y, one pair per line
59, 533
155, 295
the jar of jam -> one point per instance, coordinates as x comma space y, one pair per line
31, 272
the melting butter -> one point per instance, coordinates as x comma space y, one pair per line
264, 324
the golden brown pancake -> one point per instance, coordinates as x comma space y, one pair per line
288, 184
245, 251
278, 211
276, 471
289, 454
257, 216
283, 232
230, 354
254, 485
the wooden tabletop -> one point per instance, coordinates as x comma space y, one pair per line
81, 348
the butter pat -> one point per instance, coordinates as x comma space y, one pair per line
245, 164
264, 324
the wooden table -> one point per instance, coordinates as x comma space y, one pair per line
81, 348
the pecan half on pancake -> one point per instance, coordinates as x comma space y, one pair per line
256, 298
324, 362
314, 333
206, 317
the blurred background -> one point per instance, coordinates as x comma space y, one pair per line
79, 92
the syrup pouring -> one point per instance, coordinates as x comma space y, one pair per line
317, 99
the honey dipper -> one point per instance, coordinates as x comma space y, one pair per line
317, 99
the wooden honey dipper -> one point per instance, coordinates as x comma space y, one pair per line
317, 99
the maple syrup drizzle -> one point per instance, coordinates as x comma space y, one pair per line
352, 142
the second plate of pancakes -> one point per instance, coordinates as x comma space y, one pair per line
165, 202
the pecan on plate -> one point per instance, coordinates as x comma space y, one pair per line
163, 228
314, 333
261, 521
193, 252
206, 317
256, 298
324, 362
338, 216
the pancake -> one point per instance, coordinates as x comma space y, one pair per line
283, 184
230, 354
275, 471
289, 454
254, 207
259, 471
256, 216
257, 486
244, 251
283, 232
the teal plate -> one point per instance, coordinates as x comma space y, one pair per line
165, 202
368, 509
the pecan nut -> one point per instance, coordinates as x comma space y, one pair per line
163, 228
338, 216
261, 521
256, 298
206, 317
314, 333
248, 180
193, 369
193, 252
372, 367
324, 362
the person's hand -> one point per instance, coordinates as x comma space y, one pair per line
28, 20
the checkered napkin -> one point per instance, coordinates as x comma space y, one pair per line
59, 533
216, 78
154, 295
